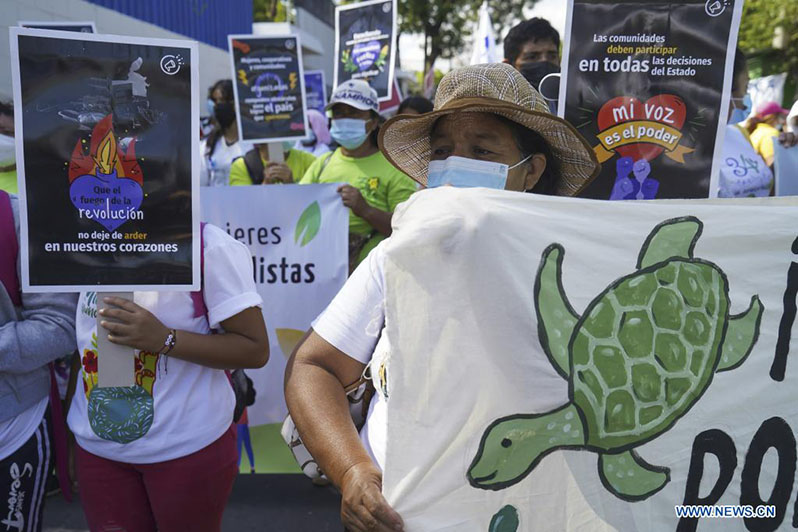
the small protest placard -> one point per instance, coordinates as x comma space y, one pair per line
365, 44
269, 88
82, 27
315, 90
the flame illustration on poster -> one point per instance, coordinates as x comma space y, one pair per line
106, 182
639, 358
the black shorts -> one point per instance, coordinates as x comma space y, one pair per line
23, 476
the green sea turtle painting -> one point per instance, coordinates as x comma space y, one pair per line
640, 357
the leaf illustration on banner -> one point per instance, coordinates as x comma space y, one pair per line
309, 224
288, 339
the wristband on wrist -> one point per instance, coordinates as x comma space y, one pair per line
169, 343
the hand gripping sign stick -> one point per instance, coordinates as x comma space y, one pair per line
115, 363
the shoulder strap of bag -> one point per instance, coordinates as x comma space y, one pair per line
9, 250
198, 297
254, 166
323, 165
59, 436
201, 309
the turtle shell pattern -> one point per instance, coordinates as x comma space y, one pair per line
645, 350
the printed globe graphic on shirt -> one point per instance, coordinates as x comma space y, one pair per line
638, 359
119, 414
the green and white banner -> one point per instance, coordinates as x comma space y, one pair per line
563, 364
298, 236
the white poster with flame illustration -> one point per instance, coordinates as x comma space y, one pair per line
562, 364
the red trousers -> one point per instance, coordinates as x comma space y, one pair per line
184, 494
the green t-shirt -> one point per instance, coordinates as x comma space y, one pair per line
298, 161
8, 181
381, 184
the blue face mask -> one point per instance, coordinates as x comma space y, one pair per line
464, 172
210, 106
738, 115
349, 132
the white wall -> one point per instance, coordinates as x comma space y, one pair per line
214, 63
318, 41
326, 36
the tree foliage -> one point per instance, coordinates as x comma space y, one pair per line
761, 18
446, 25
269, 11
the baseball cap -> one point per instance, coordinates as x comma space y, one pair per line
356, 93
770, 108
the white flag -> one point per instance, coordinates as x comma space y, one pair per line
484, 44
429, 82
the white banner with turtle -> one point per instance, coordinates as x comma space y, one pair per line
562, 364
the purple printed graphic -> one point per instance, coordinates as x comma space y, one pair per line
97, 190
623, 186
106, 198
637, 186
365, 54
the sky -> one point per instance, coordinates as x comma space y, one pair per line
411, 45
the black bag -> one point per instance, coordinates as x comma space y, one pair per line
254, 166
244, 391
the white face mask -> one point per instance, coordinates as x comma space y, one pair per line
465, 172
8, 152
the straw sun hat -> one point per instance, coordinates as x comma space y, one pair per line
499, 89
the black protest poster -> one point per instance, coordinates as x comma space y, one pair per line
109, 144
81, 27
269, 88
365, 44
648, 85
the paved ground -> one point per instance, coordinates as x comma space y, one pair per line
278, 503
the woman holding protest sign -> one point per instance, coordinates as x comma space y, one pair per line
162, 454
489, 128
222, 146
254, 168
374, 186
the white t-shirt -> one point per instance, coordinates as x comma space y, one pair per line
743, 172
177, 407
791, 117
354, 323
215, 170
16, 431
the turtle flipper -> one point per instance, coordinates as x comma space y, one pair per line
556, 317
630, 477
741, 335
512, 446
671, 238
505, 520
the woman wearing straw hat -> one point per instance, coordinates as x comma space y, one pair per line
489, 128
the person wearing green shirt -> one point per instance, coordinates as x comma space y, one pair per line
373, 186
254, 168
8, 166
